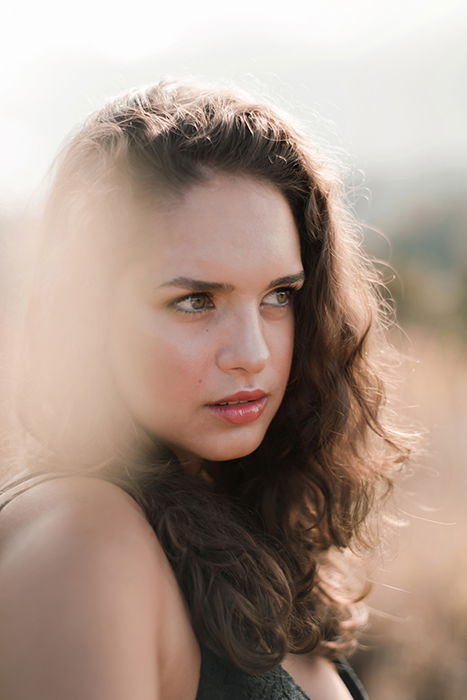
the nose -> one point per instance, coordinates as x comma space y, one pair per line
243, 347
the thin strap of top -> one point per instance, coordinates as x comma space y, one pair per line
23, 482
350, 678
219, 680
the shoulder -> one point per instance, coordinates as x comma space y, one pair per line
65, 497
77, 553
77, 520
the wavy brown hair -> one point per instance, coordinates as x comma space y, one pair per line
260, 551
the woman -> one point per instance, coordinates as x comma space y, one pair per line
202, 389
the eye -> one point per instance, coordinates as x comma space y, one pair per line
193, 303
279, 297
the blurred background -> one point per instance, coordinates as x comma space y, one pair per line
381, 86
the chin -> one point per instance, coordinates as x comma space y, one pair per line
226, 450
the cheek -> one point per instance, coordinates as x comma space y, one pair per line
174, 367
281, 347
156, 368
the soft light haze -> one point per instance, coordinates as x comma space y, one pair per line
381, 86
387, 79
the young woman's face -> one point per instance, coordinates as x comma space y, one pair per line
204, 312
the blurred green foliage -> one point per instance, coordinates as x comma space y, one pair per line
422, 237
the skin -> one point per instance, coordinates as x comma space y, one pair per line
89, 605
174, 353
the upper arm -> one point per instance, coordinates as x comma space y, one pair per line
86, 601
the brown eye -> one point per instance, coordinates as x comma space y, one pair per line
194, 303
278, 297
197, 303
282, 297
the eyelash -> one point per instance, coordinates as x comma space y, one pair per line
291, 291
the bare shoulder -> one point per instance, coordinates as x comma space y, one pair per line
84, 579
80, 522
68, 499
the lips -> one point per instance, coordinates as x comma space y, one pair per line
240, 408
240, 396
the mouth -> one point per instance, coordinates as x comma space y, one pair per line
244, 396
240, 408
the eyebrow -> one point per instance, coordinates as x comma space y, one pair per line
204, 286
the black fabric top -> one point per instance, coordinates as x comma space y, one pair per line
219, 680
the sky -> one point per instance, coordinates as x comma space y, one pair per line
112, 29
383, 81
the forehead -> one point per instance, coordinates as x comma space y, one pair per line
229, 222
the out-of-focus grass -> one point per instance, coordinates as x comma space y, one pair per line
416, 643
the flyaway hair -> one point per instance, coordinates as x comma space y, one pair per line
262, 553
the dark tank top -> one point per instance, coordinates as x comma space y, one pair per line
219, 680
